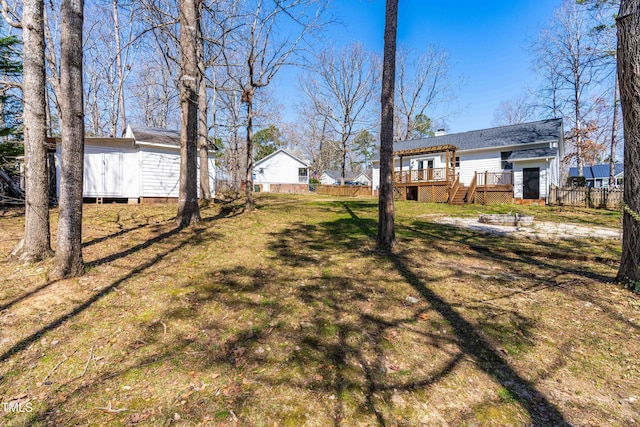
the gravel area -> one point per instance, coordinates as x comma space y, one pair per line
538, 230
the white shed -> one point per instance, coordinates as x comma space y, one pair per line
281, 172
142, 166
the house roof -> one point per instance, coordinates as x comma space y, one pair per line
600, 171
160, 136
533, 154
277, 152
512, 135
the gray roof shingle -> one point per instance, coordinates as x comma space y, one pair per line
524, 133
156, 135
533, 153
160, 136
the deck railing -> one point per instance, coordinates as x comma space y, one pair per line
421, 175
494, 178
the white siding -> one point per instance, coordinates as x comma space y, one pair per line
375, 177
212, 174
488, 161
159, 172
280, 168
326, 179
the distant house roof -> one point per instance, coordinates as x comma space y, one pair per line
512, 135
600, 171
160, 136
336, 175
275, 153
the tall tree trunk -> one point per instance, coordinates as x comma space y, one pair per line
121, 106
203, 128
36, 243
188, 209
614, 136
343, 158
68, 260
578, 130
386, 214
248, 191
629, 78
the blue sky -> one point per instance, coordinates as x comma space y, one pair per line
487, 42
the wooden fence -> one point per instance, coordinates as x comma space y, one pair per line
344, 190
586, 197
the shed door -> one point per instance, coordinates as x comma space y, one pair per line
531, 183
112, 170
102, 174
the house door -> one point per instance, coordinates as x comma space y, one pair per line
430, 169
531, 183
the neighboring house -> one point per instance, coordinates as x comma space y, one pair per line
331, 177
281, 172
499, 164
144, 166
597, 176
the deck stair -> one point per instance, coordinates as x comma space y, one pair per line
460, 197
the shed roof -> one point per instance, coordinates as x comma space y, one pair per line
156, 135
152, 135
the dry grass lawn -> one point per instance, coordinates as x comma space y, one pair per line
289, 317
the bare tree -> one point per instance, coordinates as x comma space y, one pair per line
423, 83
274, 36
156, 94
571, 51
36, 243
386, 214
341, 90
68, 259
519, 109
629, 78
188, 209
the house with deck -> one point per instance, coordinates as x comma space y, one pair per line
515, 163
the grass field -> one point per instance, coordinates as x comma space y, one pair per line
289, 317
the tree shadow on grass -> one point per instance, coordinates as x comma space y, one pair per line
192, 239
352, 235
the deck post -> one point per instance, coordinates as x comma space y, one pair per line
447, 165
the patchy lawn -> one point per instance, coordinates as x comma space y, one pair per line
288, 317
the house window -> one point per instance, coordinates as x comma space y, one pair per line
504, 157
457, 162
302, 175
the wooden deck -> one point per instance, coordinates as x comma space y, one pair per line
440, 185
